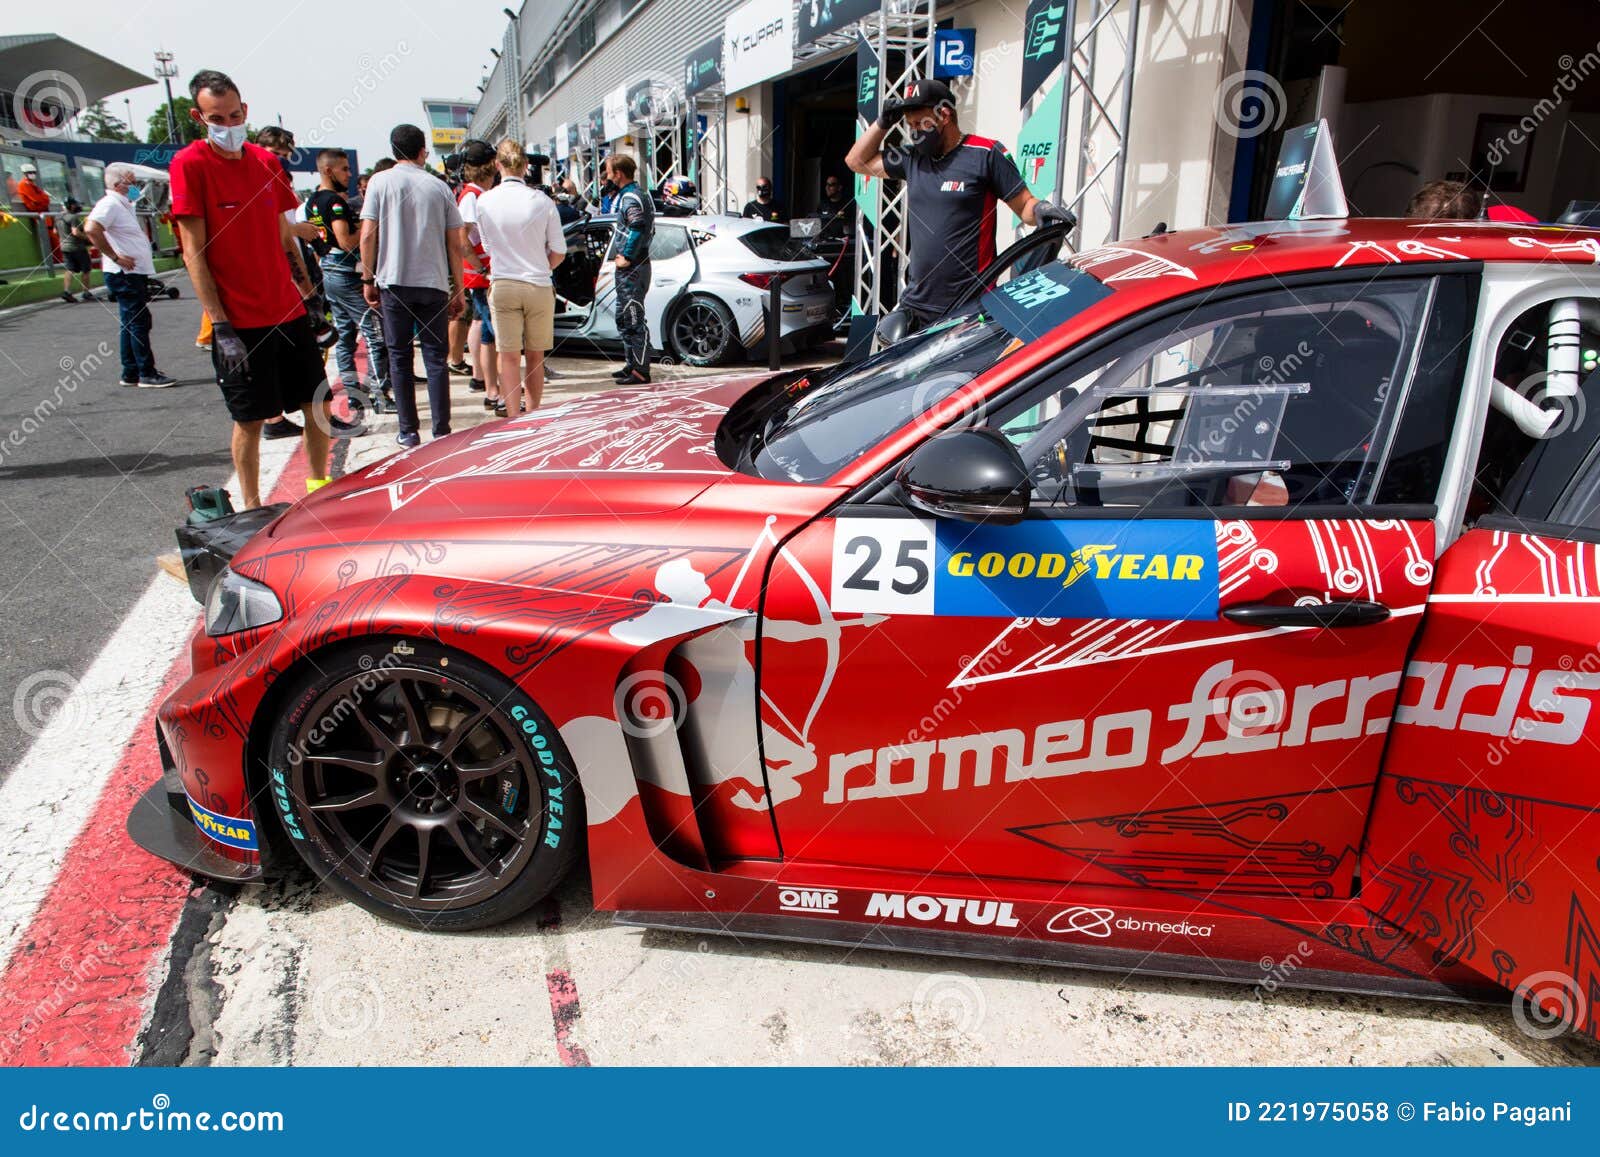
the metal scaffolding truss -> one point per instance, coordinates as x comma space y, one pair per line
711, 149
902, 36
1100, 65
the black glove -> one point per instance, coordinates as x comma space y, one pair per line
891, 112
1046, 214
230, 350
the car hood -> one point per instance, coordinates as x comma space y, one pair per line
635, 451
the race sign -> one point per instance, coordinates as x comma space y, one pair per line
1067, 569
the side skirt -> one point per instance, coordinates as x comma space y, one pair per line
895, 938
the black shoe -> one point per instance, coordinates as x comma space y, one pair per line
65, 296
157, 381
409, 441
281, 428
491, 403
461, 369
339, 428
478, 386
500, 407
635, 377
622, 375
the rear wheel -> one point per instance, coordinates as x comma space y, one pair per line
424, 786
703, 332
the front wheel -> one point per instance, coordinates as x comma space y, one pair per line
424, 786
702, 332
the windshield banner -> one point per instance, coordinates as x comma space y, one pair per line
1069, 569
1032, 305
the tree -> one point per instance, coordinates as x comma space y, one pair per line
98, 124
188, 129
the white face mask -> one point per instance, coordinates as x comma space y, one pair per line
228, 138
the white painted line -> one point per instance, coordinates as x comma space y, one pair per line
52, 791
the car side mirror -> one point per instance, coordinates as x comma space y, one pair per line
968, 475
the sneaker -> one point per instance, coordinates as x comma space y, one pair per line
622, 375
500, 407
128, 380
634, 378
157, 382
339, 428
551, 375
202, 345
477, 385
65, 296
491, 403
315, 484
282, 428
461, 369
409, 441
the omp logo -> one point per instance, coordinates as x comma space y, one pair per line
1099, 923
942, 910
1085, 921
953, 187
1102, 559
811, 901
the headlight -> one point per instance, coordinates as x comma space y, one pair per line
236, 603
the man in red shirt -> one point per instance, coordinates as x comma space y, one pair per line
229, 198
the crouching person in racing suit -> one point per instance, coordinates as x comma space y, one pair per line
630, 252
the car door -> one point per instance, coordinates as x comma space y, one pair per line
672, 267
1485, 834
1125, 686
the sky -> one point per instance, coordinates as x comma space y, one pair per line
337, 74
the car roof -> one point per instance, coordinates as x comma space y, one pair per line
1194, 258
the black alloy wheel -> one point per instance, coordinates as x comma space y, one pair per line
424, 786
702, 332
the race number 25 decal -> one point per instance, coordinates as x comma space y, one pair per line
1144, 569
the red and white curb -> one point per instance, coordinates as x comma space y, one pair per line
85, 916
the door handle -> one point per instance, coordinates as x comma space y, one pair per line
1341, 613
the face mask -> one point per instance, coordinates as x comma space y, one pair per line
228, 138
134, 192
925, 143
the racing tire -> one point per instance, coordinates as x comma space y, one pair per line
702, 331
423, 785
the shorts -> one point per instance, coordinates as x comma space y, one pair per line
283, 371
524, 315
478, 299
76, 260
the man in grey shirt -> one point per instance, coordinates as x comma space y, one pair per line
411, 251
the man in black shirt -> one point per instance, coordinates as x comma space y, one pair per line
763, 208
954, 181
338, 249
837, 214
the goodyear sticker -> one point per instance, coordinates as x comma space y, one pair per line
1118, 568
230, 830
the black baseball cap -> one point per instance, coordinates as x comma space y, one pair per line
476, 152
926, 93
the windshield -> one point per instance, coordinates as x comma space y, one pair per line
823, 422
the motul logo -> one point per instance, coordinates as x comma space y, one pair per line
942, 910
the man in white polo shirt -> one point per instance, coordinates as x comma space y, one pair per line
128, 264
521, 231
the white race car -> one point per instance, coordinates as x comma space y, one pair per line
709, 288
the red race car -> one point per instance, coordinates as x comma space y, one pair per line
1219, 604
